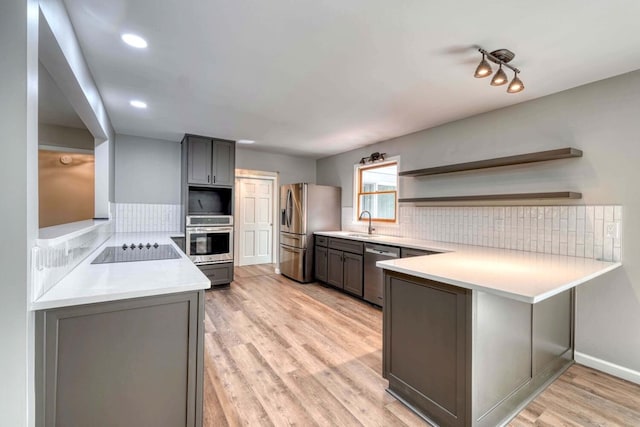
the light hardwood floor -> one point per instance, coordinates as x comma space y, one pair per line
281, 353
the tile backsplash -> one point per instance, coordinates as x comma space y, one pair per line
143, 217
593, 231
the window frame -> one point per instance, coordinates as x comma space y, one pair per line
358, 170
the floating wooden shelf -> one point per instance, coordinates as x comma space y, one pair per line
520, 196
520, 159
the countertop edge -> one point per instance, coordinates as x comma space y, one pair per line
118, 296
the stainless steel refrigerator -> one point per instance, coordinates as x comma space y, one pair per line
304, 209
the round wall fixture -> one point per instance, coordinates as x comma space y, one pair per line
66, 159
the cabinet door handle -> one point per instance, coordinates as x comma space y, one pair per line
209, 179
214, 179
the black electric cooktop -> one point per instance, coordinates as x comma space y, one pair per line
134, 253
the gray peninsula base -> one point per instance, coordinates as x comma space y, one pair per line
459, 357
134, 362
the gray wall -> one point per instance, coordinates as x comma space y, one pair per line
147, 170
292, 169
18, 199
602, 119
62, 136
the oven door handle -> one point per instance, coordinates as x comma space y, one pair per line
192, 230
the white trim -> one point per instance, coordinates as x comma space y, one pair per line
607, 367
356, 186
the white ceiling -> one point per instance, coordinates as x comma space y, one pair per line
316, 78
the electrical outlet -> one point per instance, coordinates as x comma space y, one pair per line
612, 230
498, 224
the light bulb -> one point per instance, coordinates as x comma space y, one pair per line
483, 69
516, 85
500, 78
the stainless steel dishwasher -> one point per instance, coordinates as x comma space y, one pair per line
373, 276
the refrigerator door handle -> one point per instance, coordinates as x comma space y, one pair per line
289, 207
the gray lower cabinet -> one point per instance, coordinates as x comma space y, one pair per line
135, 362
352, 274
219, 274
340, 263
427, 347
321, 263
345, 265
335, 268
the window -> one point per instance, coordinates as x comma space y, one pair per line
377, 190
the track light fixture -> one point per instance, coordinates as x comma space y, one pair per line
500, 57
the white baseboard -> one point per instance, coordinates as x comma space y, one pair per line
608, 367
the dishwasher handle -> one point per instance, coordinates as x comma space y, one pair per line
382, 253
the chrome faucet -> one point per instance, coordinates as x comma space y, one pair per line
371, 229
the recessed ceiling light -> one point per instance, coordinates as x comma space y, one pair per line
245, 141
134, 40
138, 104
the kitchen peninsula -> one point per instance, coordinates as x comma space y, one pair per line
124, 329
470, 336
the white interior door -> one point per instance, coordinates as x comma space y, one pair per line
255, 228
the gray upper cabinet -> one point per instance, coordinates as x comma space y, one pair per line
210, 161
224, 159
199, 160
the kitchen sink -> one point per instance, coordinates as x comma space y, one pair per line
366, 236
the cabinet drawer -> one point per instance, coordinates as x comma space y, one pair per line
219, 274
322, 240
346, 245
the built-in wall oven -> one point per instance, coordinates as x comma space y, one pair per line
209, 238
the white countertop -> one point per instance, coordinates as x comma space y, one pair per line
524, 276
91, 283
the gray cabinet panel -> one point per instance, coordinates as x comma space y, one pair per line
223, 170
132, 362
321, 262
552, 330
321, 241
427, 355
218, 274
352, 273
199, 160
506, 324
334, 268
346, 245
